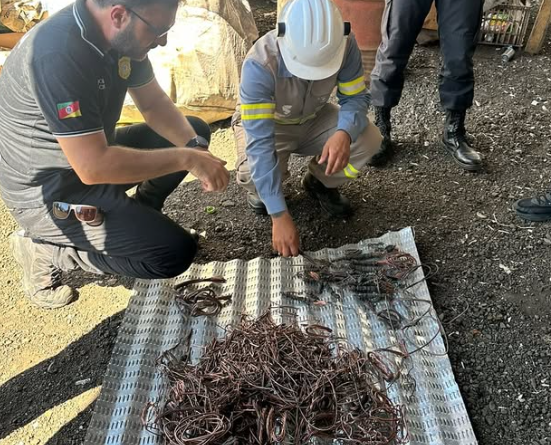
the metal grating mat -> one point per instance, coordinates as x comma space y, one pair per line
152, 323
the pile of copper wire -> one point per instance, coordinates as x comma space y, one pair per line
265, 383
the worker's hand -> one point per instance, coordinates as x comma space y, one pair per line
285, 235
209, 170
336, 152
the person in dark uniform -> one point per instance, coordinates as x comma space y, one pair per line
65, 168
458, 26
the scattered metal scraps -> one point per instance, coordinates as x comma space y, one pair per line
266, 383
371, 275
201, 302
378, 278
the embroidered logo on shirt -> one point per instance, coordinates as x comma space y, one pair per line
67, 110
124, 67
286, 109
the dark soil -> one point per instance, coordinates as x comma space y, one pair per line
493, 287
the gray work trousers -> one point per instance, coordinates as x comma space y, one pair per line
308, 139
136, 239
458, 27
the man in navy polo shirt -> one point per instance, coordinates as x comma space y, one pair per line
65, 169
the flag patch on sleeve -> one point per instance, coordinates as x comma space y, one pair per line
67, 110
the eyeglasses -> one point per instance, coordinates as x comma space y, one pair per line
91, 215
159, 33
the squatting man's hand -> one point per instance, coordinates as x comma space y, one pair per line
210, 171
336, 152
285, 239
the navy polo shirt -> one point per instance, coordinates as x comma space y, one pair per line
58, 82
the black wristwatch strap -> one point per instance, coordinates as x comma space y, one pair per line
198, 141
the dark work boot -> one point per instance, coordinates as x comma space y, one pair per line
382, 121
330, 199
154, 192
454, 140
41, 280
148, 200
537, 208
148, 196
256, 204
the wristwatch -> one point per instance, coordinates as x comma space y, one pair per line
198, 141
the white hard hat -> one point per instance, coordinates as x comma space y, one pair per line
312, 38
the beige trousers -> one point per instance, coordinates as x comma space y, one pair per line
308, 139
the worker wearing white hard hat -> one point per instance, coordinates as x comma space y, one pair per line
312, 38
287, 80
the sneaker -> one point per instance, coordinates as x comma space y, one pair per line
41, 280
537, 208
330, 200
256, 204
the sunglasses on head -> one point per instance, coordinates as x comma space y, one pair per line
91, 215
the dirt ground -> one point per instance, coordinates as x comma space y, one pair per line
492, 290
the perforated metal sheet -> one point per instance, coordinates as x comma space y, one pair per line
152, 324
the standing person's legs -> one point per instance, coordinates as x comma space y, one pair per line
314, 137
155, 191
459, 26
402, 21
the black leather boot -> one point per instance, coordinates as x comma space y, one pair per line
145, 197
154, 192
330, 200
454, 140
382, 121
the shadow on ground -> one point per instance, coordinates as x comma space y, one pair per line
76, 369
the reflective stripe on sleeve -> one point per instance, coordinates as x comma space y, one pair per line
353, 87
257, 111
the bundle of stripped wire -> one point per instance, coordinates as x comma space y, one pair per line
275, 384
375, 273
